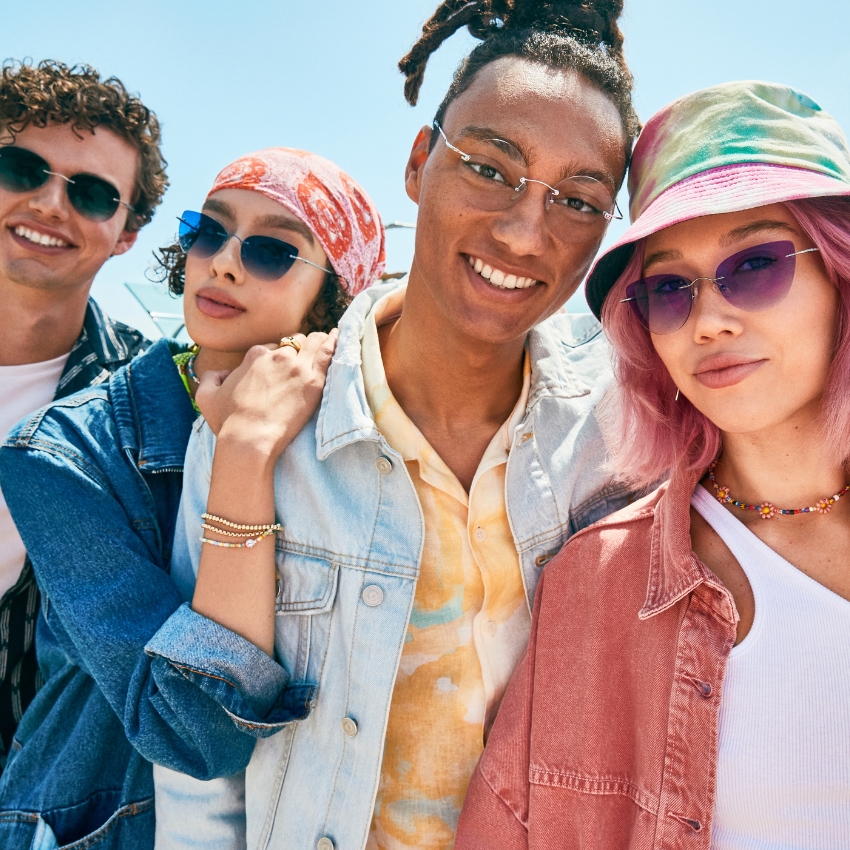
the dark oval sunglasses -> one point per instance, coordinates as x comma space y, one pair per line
754, 279
92, 197
262, 256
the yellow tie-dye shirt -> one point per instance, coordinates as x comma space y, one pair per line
469, 626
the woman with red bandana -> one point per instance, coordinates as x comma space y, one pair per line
282, 243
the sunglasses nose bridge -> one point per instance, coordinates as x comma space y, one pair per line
57, 174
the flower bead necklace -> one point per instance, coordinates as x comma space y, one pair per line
766, 510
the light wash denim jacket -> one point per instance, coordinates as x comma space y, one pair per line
348, 559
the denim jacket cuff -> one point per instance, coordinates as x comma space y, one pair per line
251, 687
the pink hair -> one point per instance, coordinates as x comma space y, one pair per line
651, 433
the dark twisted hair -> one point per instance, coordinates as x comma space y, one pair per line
324, 315
51, 92
579, 34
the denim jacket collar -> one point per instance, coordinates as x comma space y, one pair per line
139, 393
345, 417
674, 569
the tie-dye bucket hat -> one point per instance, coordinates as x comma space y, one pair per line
727, 148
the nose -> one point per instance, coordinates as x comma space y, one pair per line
711, 314
522, 227
51, 199
227, 261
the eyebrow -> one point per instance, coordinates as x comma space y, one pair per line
730, 238
754, 227
515, 150
519, 153
293, 225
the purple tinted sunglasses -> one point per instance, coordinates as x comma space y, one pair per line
754, 279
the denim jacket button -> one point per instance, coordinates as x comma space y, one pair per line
325, 844
384, 465
349, 727
373, 595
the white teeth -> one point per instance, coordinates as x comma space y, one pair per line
40, 238
498, 278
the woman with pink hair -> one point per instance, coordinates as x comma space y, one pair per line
687, 683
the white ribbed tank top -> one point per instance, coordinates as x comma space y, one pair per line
783, 767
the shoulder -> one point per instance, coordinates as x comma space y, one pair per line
582, 343
626, 533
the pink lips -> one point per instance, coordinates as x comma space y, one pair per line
726, 370
217, 304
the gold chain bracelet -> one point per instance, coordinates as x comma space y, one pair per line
229, 524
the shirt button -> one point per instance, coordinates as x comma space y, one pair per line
349, 727
384, 465
373, 595
325, 844
480, 534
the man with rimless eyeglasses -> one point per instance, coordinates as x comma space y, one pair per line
80, 173
455, 450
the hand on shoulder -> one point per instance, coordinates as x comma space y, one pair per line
269, 398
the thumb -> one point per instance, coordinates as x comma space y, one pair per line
209, 385
325, 353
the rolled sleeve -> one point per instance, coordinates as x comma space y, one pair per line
249, 685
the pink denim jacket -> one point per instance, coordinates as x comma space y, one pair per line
607, 735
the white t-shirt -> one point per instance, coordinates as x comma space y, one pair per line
23, 390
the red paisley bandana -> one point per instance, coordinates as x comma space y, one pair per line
326, 199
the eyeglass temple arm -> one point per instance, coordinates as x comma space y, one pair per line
69, 180
464, 156
311, 263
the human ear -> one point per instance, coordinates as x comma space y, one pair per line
416, 163
125, 242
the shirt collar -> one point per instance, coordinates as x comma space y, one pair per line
674, 569
100, 331
397, 428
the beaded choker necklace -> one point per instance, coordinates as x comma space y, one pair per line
766, 510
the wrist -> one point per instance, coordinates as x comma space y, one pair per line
252, 452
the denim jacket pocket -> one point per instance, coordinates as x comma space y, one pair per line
304, 608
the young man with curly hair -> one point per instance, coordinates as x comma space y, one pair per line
80, 173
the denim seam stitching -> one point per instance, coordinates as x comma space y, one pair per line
503, 801
597, 785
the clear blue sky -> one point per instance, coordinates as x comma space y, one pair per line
229, 78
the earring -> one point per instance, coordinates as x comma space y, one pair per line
677, 394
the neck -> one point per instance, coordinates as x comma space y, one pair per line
785, 465
211, 360
38, 324
445, 381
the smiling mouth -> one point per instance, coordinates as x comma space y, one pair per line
40, 238
498, 278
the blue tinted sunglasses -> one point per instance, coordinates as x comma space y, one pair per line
262, 256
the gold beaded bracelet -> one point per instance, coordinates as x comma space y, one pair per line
230, 533
229, 524
250, 543
249, 531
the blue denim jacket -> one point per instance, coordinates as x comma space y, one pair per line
348, 560
93, 483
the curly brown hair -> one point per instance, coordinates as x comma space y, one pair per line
53, 92
324, 315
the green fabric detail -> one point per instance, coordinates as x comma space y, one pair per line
180, 361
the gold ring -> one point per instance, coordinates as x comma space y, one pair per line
288, 340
